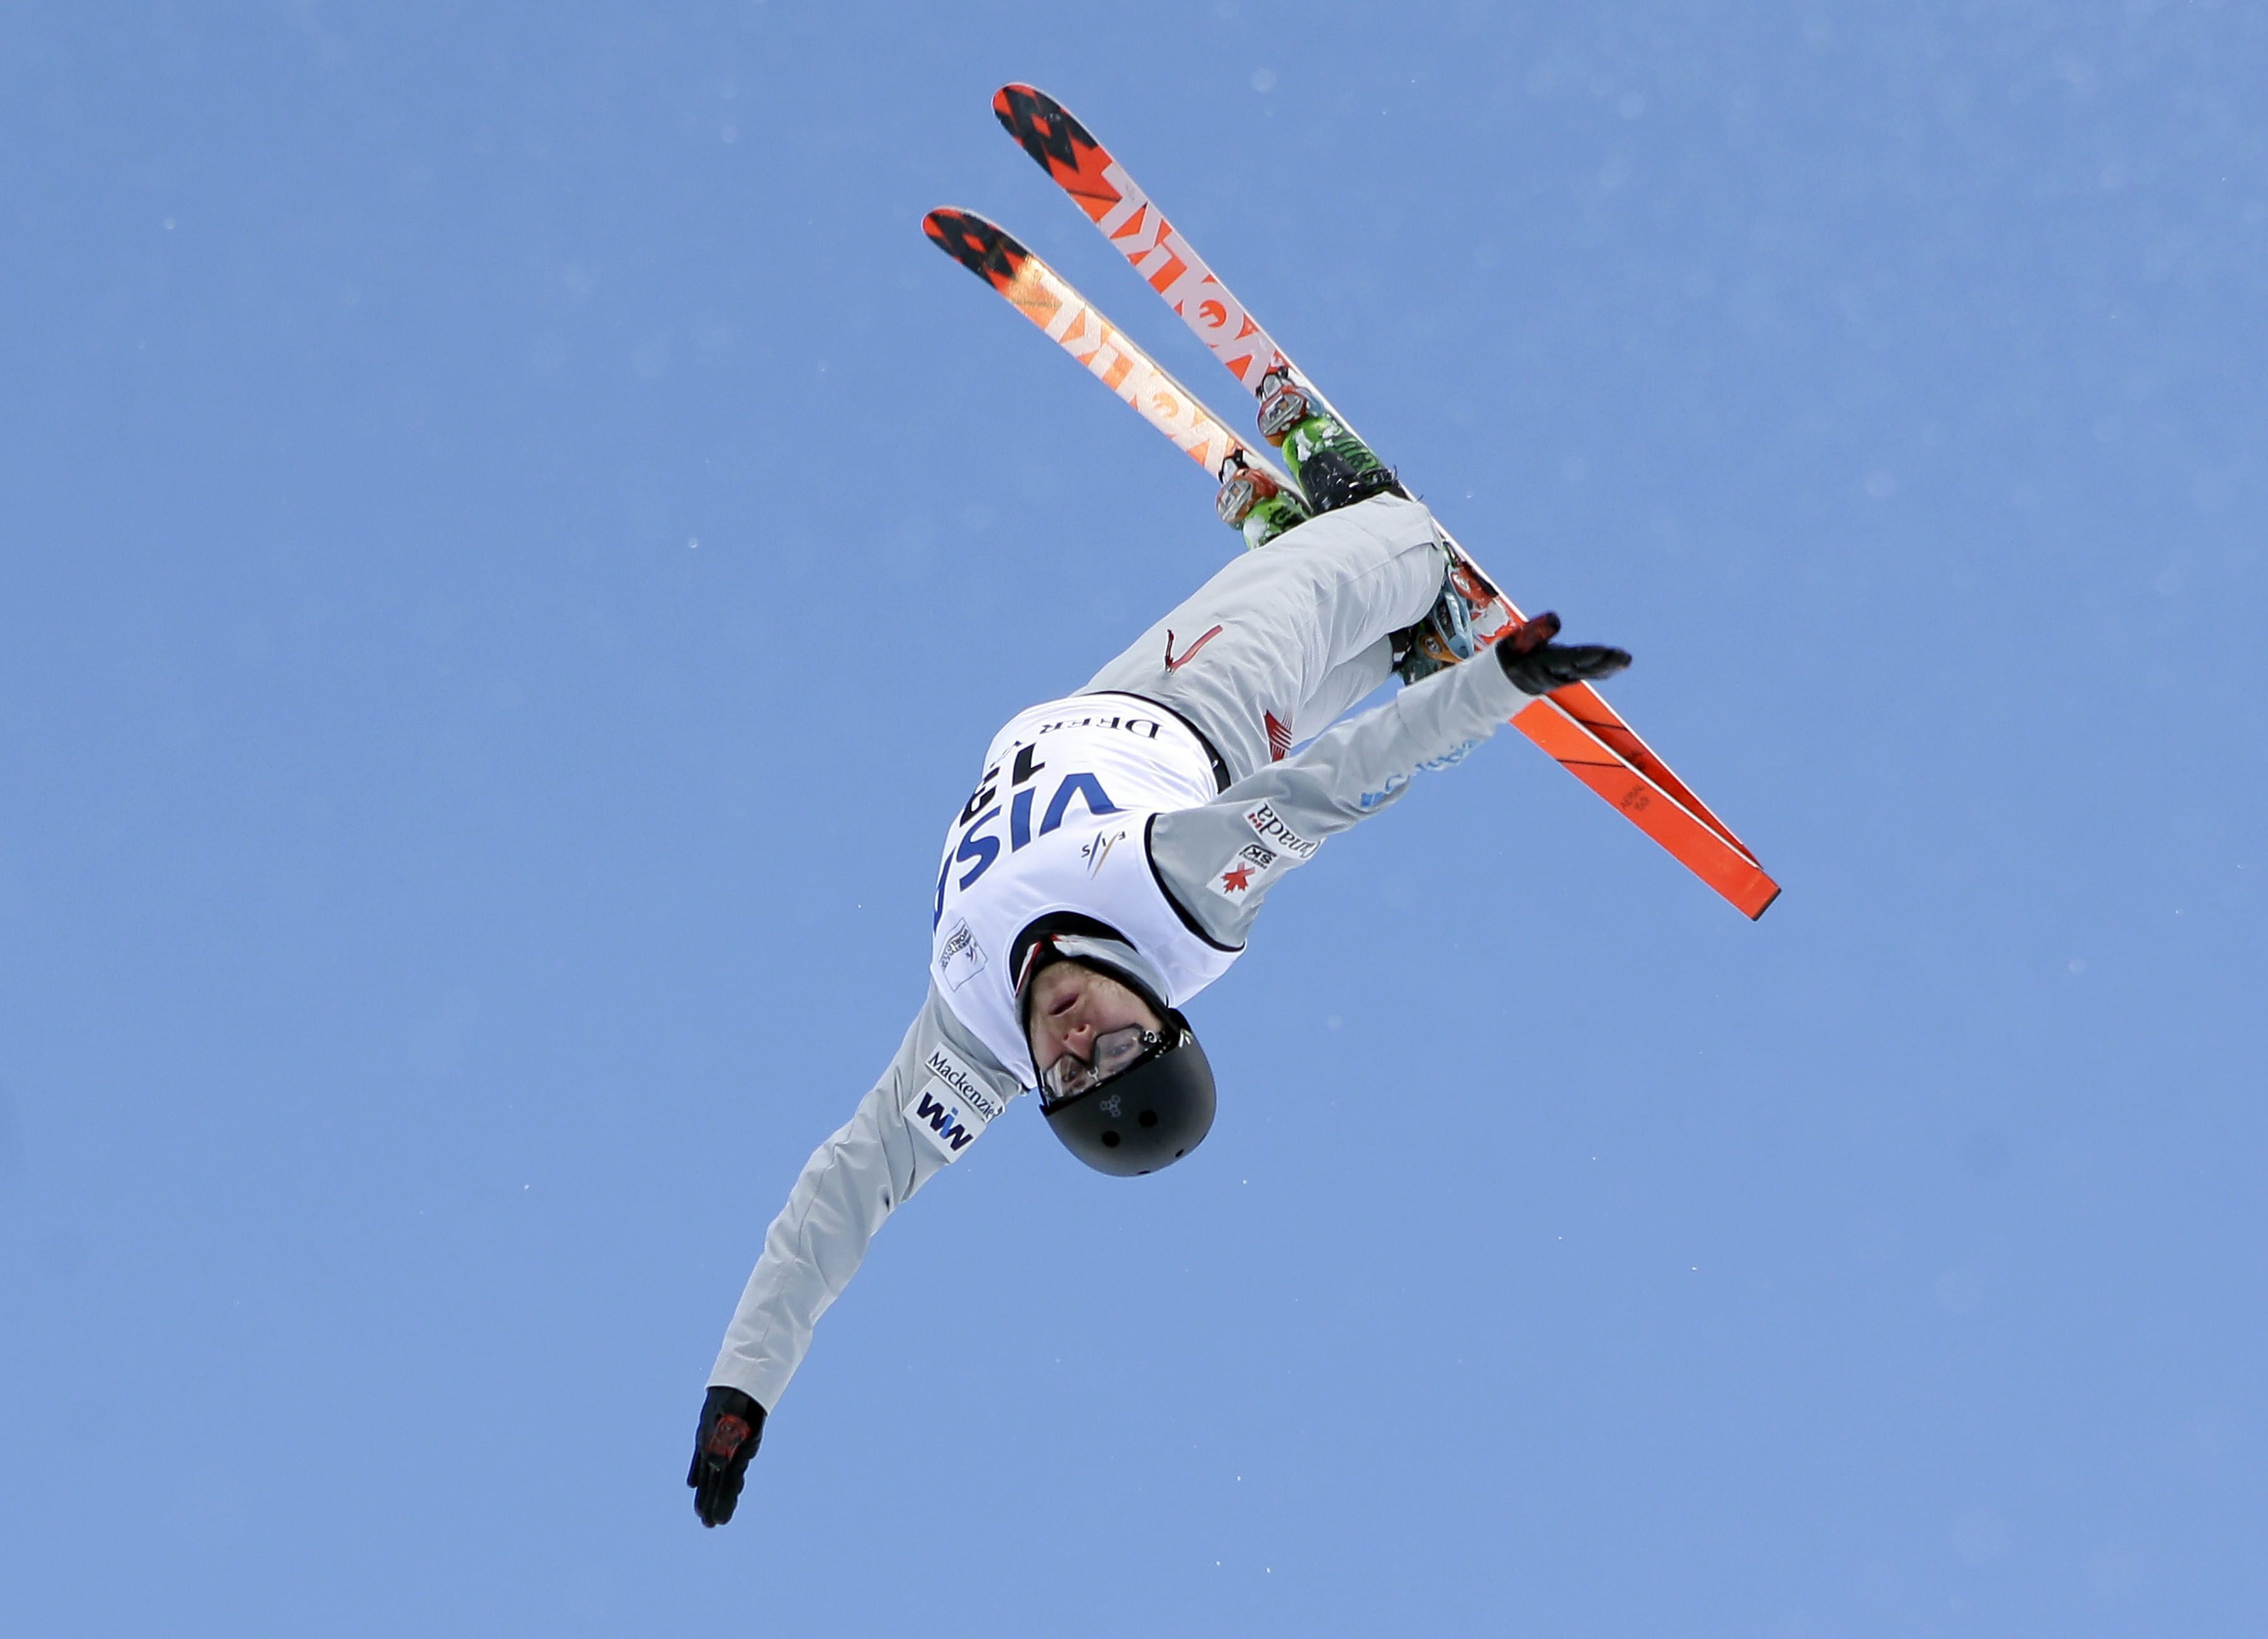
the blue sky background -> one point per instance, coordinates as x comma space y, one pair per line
514, 546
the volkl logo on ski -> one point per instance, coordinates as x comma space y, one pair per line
1091, 339
1176, 272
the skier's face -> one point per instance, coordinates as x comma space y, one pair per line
1071, 1004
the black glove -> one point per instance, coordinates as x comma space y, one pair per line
731, 1428
1536, 665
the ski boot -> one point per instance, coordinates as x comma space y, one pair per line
1463, 620
1334, 467
1252, 501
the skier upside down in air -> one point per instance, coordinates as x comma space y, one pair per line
1111, 861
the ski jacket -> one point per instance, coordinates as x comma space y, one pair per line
1194, 879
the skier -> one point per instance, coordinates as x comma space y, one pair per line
1113, 856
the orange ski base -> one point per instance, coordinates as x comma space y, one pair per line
1723, 865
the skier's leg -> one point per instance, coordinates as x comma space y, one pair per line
1334, 468
1347, 683
1264, 644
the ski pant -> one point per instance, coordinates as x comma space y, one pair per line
1275, 647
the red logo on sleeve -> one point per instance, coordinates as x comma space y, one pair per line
1174, 663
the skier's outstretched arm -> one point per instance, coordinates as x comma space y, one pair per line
939, 1093
1218, 861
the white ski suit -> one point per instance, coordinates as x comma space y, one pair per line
1160, 800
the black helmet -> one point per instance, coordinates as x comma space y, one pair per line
1159, 1109
1145, 1118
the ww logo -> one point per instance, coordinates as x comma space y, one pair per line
944, 1123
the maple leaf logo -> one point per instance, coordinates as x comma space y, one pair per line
1237, 880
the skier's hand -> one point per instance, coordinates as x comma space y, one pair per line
732, 1426
1536, 665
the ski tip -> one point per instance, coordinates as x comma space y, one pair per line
984, 248
1015, 94
1044, 128
1756, 911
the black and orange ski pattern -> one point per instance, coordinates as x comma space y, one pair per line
1059, 143
986, 250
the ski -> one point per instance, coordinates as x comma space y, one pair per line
1125, 215
1049, 301
1076, 325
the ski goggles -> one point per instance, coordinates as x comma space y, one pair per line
1115, 1051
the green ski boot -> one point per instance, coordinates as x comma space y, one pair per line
1252, 501
1334, 467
